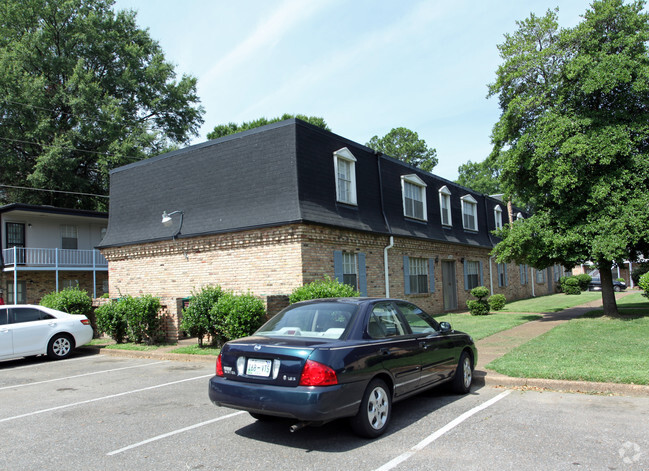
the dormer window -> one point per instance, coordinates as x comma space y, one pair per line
445, 205
498, 217
470, 213
345, 169
413, 190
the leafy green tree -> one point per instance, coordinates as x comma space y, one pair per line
223, 130
573, 138
82, 91
405, 145
479, 176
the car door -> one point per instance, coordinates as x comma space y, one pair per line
6, 340
31, 328
396, 348
437, 354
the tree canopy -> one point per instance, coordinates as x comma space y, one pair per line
226, 129
573, 138
480, 176
405, 145
82, 91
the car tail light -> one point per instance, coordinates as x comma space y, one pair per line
85, 321
317, 374
219, 366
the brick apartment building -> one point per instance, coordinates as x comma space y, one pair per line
270, 209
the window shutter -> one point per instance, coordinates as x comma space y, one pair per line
431, 274
466, 276
406, 274
338, 265
362, 276
505, 268
481, 282
521, 269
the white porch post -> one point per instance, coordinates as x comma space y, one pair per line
94, 275
56, 265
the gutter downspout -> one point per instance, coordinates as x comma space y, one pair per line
630, 271
491, 280
532, 278
386, 263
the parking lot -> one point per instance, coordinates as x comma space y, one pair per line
111, 413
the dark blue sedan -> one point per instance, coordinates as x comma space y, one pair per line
321, 360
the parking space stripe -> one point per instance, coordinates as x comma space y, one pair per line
67, 360
434, 436
103, 398
80, 375
174, 432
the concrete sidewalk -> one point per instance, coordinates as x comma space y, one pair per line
497, 345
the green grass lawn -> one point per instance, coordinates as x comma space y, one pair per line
197, 350
551, 302
480, 327
592, 348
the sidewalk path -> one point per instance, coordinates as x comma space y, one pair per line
497, 345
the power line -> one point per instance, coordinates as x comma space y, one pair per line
53, 191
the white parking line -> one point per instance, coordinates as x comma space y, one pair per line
65, 406
68, 360
80, 375
434, 436
173, 432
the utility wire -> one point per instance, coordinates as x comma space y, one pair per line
53, 191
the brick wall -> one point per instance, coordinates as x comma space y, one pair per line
40, 283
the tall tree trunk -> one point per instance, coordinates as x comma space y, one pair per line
608, 295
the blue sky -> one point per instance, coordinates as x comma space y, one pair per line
365, 66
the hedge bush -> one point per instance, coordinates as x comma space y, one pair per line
479, 307
236, 316
583, 280
572, 285
639, 270
133, 319
326, 288
70, 300
197, 320
643, 283
112, 321
497, 302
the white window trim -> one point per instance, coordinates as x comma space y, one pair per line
471, 200
414, 180
346, 155
444, 192
498, 217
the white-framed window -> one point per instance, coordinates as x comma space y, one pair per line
472, 274
523, 272
540, 276
445, 206
498, 217
345, 170
413, 189
67, 284
502, 275
21, 291
557, 272
350, 269
418, 273
469, 213
69, 237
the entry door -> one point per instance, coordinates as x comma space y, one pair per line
16, 238
449, 285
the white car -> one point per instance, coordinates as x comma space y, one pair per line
27, 330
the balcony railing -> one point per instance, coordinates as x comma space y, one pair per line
58, 258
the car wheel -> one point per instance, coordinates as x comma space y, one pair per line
60, 347
463, 375
617, 289
376, 409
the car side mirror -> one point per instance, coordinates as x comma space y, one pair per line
445, 327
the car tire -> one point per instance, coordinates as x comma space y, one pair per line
617, 289
375, 411
463, 377
60, 347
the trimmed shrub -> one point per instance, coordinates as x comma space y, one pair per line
112, 321
583, 280
237, 316
141, 314
639, 270
70, 300
571, 285
326, 288
479, 307
196, 319
643, 283
497, 302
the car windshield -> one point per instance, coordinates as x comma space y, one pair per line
320, 320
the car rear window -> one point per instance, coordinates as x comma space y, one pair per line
322, 320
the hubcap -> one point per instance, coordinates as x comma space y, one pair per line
61, 346
466, 366
377, 408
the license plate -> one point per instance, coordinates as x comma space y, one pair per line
258, 367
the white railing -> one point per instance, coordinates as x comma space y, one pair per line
61, 258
